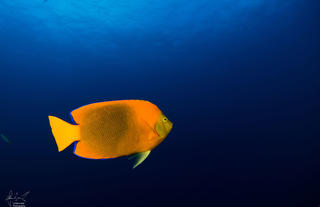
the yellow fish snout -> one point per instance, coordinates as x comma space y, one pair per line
163, 126
169, 126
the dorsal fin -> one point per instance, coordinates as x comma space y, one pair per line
139, 157
78, 113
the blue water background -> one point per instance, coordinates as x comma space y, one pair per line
238, 78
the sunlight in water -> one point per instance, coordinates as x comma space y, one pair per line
117, 22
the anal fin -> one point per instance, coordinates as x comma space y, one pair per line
139, 157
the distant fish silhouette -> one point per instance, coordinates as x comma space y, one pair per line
5, 138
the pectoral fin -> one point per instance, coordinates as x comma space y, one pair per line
139, 158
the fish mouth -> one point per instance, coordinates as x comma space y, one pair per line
169, 128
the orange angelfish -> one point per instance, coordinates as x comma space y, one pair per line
113, 129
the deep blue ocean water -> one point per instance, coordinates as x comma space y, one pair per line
238, 78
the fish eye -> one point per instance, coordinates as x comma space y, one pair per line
165, 119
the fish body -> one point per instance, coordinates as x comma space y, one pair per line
113, 129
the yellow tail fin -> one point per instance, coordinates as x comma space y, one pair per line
64, 133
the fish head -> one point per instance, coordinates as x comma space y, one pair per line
163, 126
